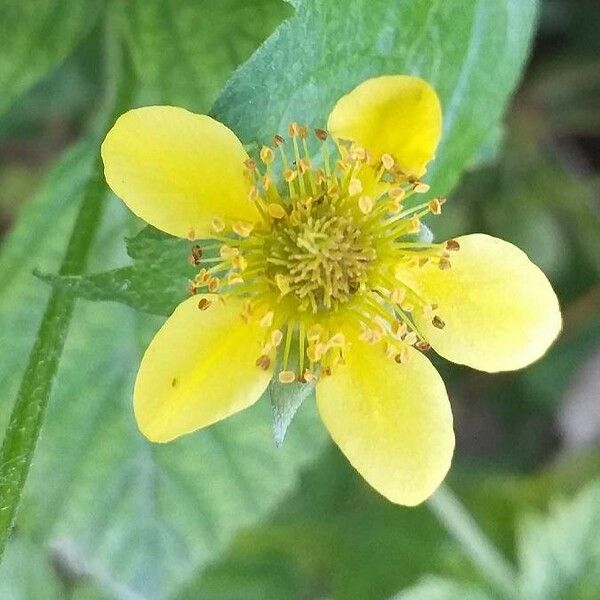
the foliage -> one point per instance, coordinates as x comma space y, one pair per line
224, 514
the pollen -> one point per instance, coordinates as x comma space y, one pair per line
328, 263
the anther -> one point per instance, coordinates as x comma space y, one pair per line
314, 333
365, 203
314, 352
421, 188
402, 356
253, 193
286, 377
204, 303
293, 129
263, 361
410, 338
437, 322
321, 134
267, 155
213, 284
250, 164
289, 175
239, 262
228, 252
435, 206
337, 341
282, 283
423, 346
452, 245
396, 193
276, 210
444, 264
399, 328
243, 228
304, 165
398, 295
267, 319
277, 139
195, 255
355, 187
307, 376
387, 161
276, 337
218, 225
414, 226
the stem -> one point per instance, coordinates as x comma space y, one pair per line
30, 405
476, 545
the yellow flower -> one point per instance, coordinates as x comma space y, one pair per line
315, 274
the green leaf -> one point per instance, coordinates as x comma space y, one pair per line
184, 50
310, 61
286, 399
156, 283
437, 588
142, 517
323, 52
26, 573
37, 37
560, 553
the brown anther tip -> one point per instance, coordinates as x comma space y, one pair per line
277, 139
250, 164
444, 264
204, 303
452, 245
423, 346
401, 357
321, 134
195, 255
302, 131
437, 322
264, 362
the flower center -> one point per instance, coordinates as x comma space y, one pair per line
319, 254
332, 258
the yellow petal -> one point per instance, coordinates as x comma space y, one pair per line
199, 368
393, 422
500, 311
395, 114
177, 170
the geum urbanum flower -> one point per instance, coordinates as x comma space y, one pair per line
319, 276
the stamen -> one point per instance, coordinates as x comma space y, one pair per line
329, 258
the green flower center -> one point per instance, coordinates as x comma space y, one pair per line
319, 253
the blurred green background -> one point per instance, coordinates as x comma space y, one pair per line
106, 516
